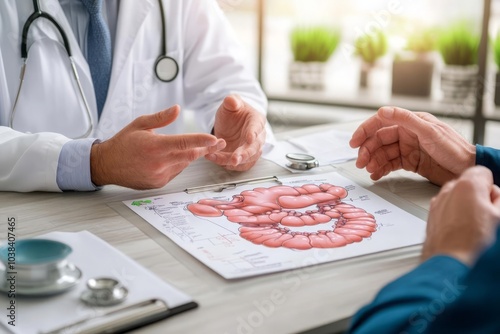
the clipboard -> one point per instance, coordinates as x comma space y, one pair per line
387, 195
226, 247
125, 318
150, 297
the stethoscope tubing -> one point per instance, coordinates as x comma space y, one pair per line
37, 14
163, 30
166, 68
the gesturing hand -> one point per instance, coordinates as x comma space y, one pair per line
396, 138
138, 158
463, 217
243, 129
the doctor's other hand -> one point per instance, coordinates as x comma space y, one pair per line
138, 158
463, 217
243, 129
396, 138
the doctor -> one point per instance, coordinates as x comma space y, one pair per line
92, 106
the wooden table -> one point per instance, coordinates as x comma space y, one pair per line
319, 298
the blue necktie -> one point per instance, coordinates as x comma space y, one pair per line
98, 51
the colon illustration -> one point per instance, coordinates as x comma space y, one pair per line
266, 216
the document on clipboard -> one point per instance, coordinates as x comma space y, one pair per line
149, 298
259, 226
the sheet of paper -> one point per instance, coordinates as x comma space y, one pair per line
265, 228
328, 147
95, 258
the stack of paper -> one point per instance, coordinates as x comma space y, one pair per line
95, 258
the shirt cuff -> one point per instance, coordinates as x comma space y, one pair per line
73, 169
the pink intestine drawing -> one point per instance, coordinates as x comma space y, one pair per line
266, 215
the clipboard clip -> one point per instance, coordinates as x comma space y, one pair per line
124, 318
231, 185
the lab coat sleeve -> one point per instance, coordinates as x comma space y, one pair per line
28, 162
490, 158
412, 302
214, 63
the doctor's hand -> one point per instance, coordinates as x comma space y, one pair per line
243, 129
463, 217
396, 138
138, 158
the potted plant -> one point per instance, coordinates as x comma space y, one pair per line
370, 47
496, 57
458, 46
311, 49
412, 70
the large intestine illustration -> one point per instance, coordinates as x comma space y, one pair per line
267, 214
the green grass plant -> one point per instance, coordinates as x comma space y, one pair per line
458, 44
496, 49
372, 46
422, 41
314, 43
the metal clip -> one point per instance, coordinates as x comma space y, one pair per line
231, 185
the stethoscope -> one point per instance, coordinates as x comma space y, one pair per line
166, 68
301, 161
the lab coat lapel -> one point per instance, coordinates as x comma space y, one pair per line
131, 16
54, 8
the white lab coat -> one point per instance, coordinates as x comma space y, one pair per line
199, 38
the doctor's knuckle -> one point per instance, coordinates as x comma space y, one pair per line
158, 118
193, 154
183, 144
141, 119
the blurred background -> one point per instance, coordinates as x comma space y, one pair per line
323, 61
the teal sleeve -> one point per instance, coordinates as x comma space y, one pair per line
490, 158
410, 303
477, 309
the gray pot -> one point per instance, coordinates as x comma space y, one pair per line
412, 77
364, 74
497, 89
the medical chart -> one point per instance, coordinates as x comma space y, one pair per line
328, 147
268, 227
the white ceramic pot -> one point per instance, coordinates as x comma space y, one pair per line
307, 75
459, 83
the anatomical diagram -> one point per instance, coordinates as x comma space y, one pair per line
268, 215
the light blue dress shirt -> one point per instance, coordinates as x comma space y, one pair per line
73, 170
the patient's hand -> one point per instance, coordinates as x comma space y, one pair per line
463, 217
396, 138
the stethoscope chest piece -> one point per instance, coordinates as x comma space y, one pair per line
166, 68
301, 161
104, 291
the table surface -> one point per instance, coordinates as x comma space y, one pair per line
306, 299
